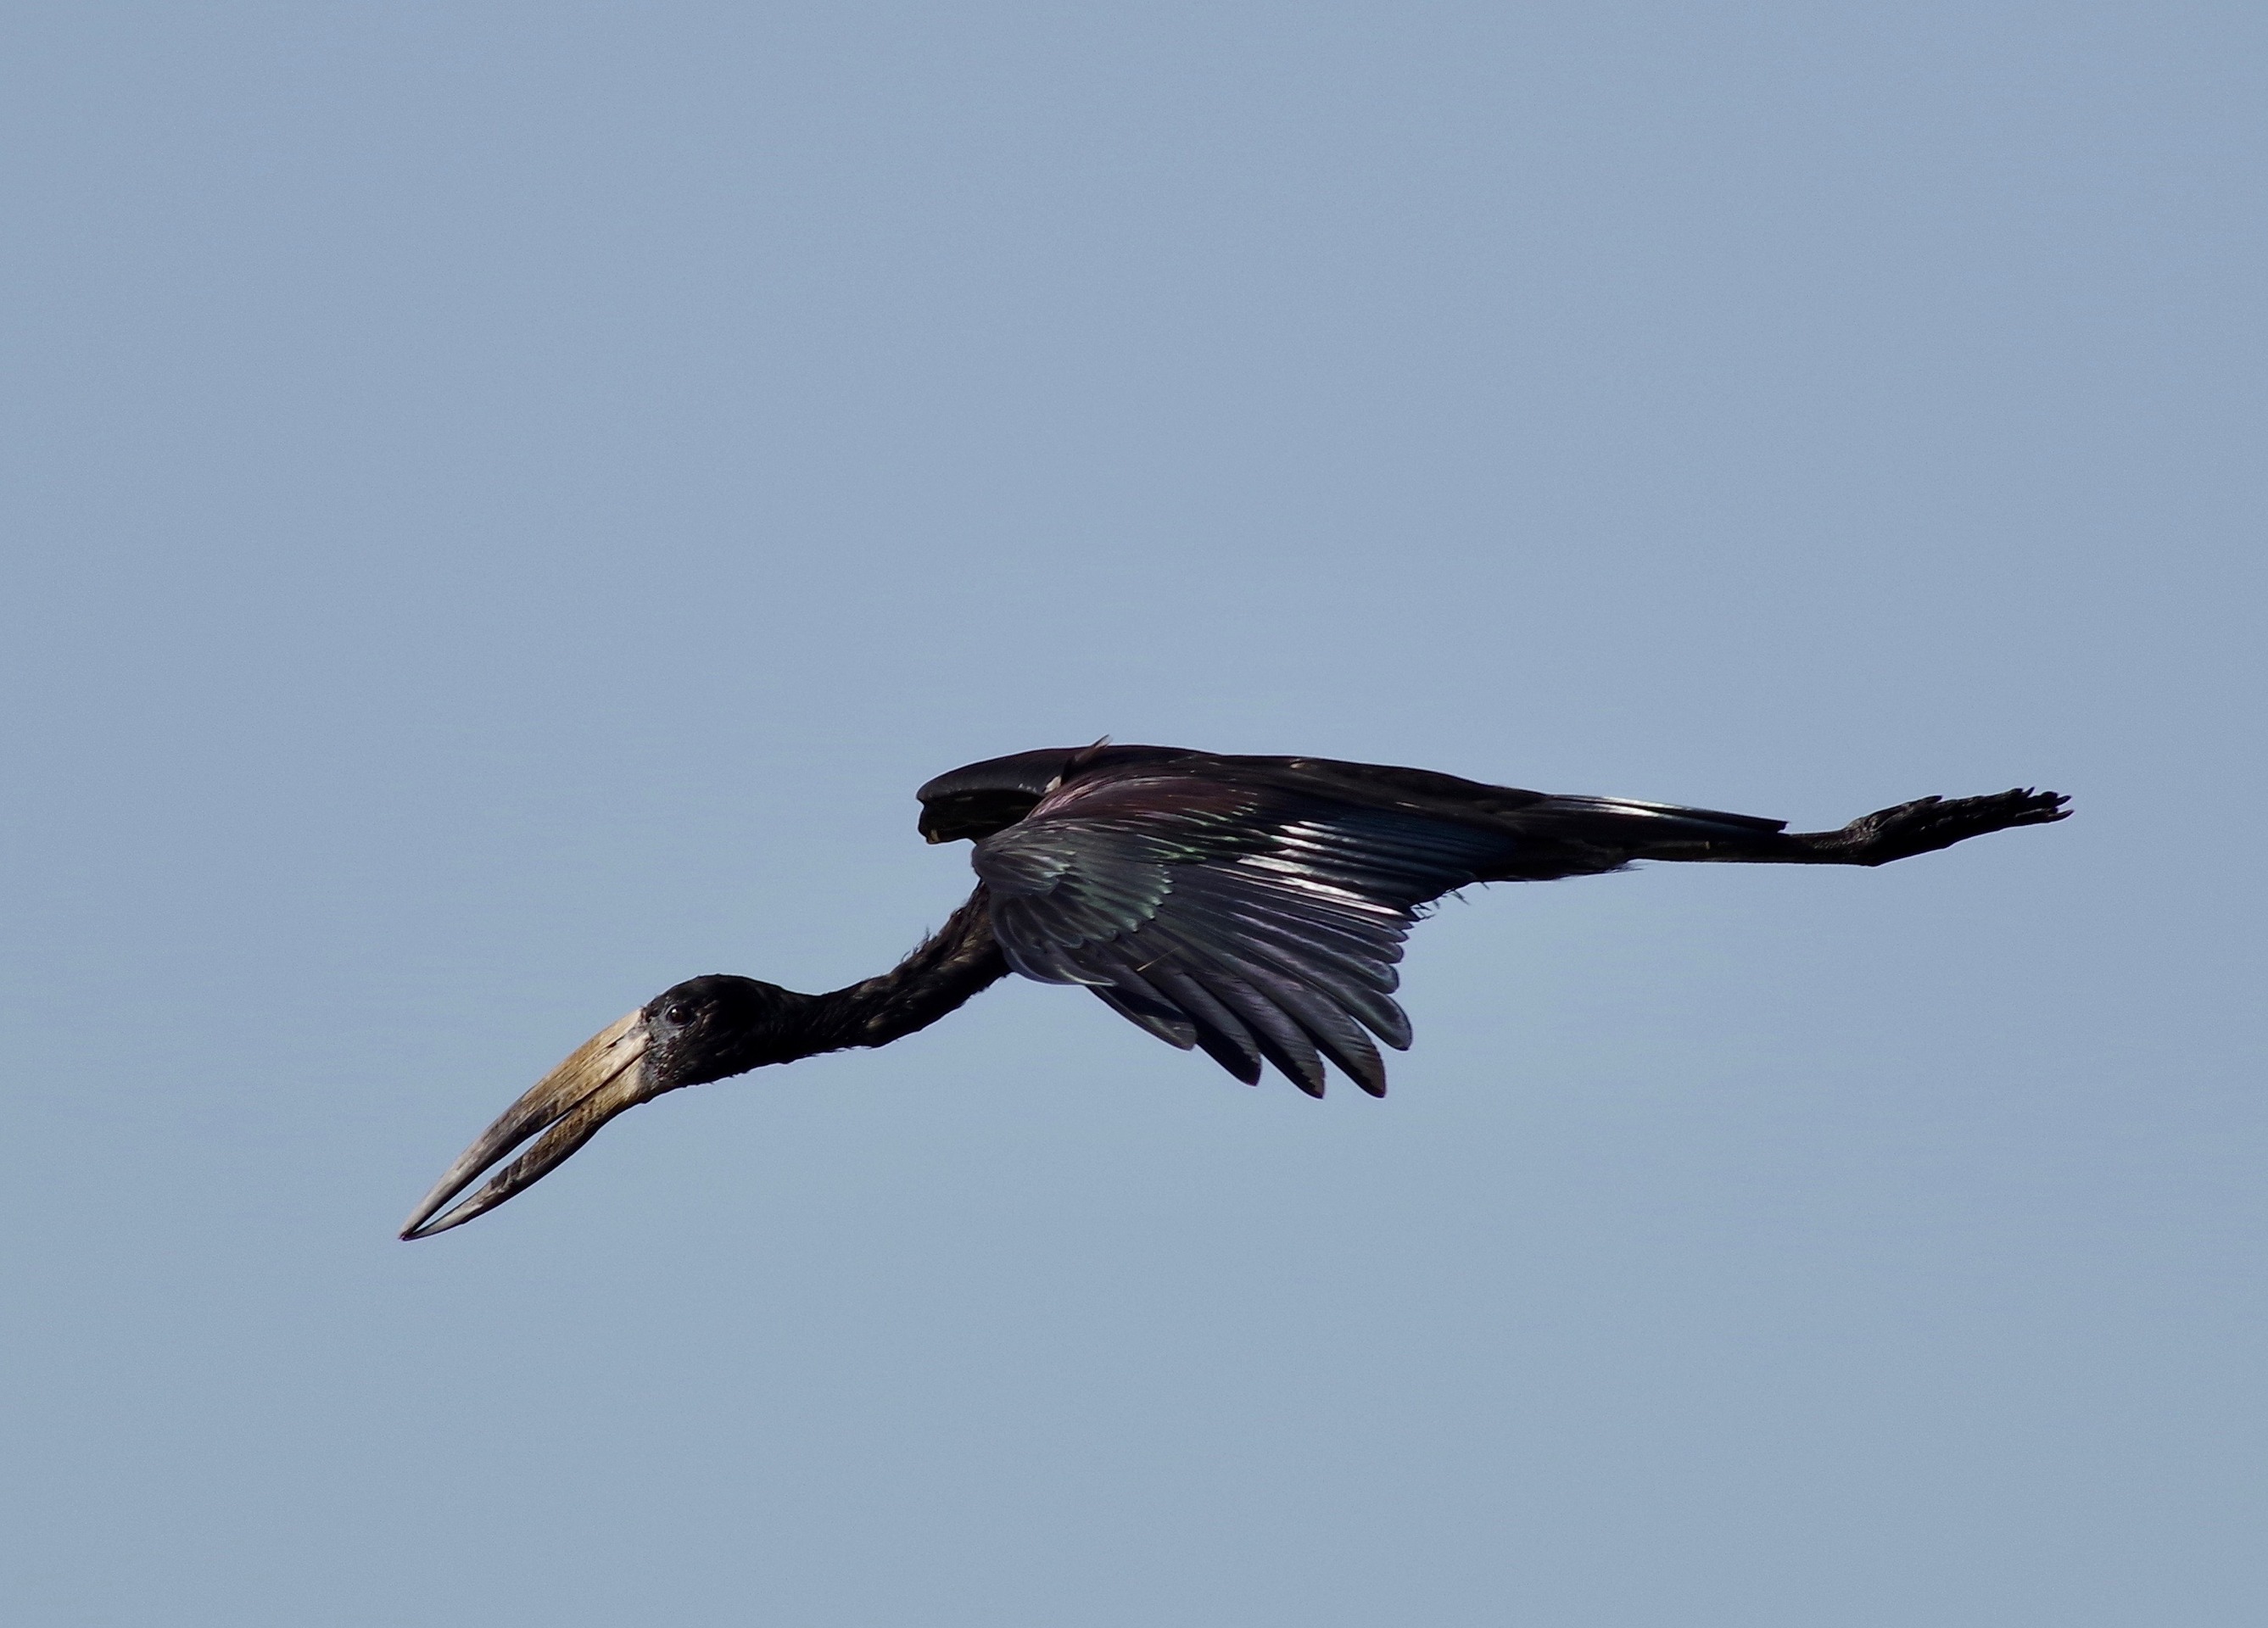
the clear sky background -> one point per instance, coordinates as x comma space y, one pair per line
503, 503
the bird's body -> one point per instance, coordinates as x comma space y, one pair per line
1251, 907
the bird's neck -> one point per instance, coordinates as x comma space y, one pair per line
959, 960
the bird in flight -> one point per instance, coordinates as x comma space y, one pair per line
1252, 908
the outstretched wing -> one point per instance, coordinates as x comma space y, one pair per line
1257, 922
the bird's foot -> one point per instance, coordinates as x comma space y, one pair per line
1931, 823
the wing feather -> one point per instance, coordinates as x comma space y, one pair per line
1220, 1032
1259, 923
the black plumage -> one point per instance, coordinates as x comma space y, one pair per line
1250, 908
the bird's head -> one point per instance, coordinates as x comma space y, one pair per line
713, 1027
705, 1029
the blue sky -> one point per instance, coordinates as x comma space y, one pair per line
504, 503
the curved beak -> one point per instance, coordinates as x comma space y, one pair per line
606, 1075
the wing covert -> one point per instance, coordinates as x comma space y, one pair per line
1255, 922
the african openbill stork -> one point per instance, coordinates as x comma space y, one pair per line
1251, 907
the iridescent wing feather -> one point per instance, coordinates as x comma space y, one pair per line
1257, 922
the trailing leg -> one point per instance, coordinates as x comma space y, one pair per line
1918, 827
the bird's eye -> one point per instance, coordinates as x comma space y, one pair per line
679, 1013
